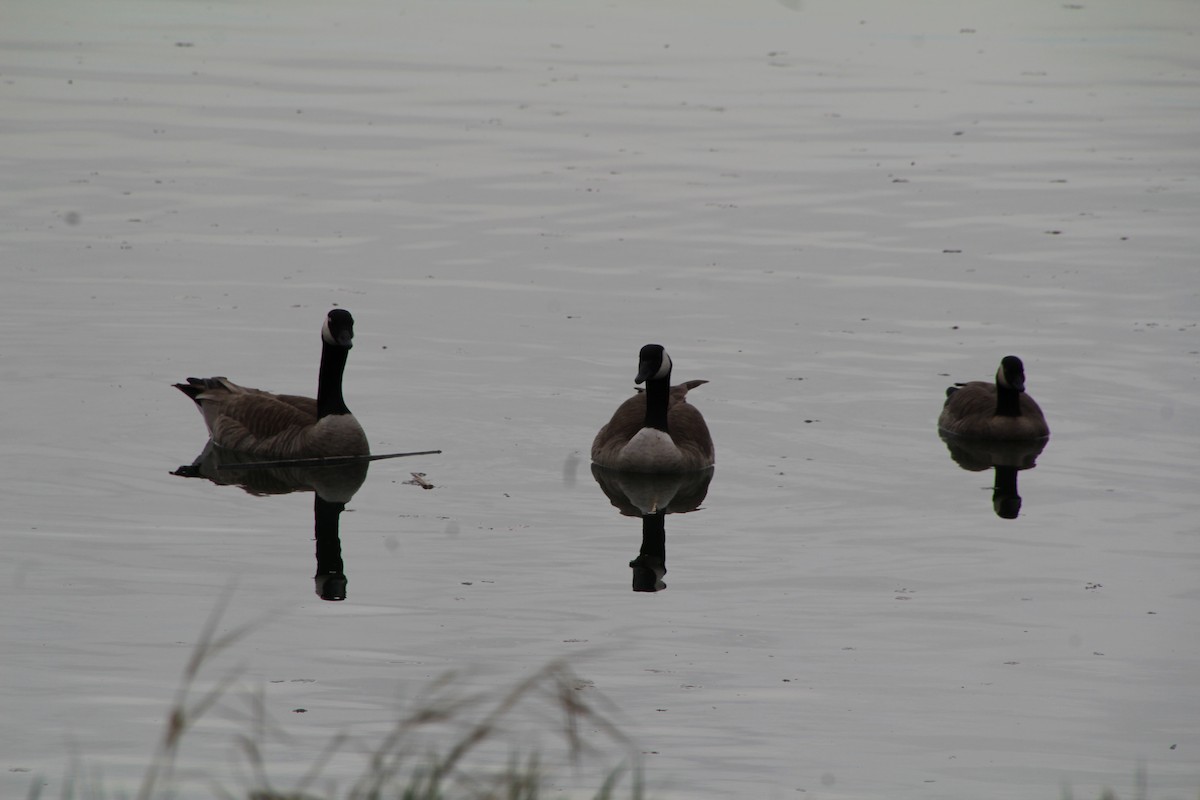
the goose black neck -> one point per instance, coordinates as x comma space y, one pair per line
658, 392
329, 382
1008, 401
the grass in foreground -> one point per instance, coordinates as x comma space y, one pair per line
402, 764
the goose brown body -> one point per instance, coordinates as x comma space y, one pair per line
284, 426
657, 430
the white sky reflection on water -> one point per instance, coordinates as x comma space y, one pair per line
829, 210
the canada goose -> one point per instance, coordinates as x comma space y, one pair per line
656, 430
283, 426
1000, 410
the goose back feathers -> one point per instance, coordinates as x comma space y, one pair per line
1000, 411
283, 426
656, 430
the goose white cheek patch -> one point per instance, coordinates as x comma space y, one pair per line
665, 369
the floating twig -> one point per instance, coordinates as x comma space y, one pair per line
419, 480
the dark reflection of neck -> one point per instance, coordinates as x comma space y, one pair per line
651, 564
1004, 457
1005, 499
330, 578
651, 497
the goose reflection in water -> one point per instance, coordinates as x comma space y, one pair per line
652, 497
1006, 458
332, 488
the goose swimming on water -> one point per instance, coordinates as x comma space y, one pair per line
656, 430
999, 411
284, 426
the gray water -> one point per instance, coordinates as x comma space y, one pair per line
830, 211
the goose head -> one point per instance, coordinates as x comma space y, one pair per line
338, 329
653, 362
1011, 374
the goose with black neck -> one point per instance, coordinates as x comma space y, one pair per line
658, 430
283, 426
1000, 411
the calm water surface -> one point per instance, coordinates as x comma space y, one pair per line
830, 211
